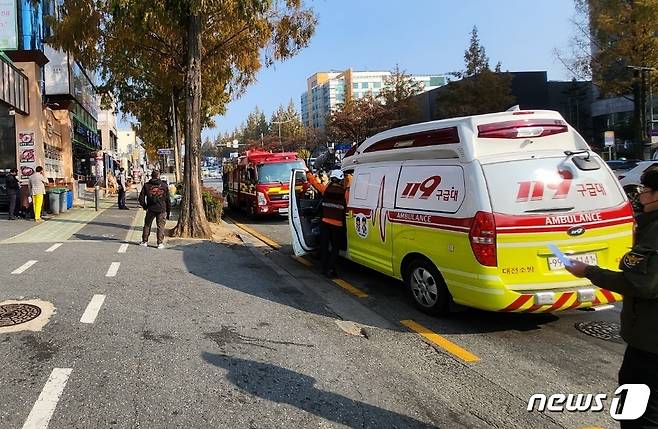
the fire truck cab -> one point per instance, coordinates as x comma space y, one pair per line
257, 182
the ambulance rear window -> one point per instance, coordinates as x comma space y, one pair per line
549, 185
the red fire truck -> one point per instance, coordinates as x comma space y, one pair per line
257, 182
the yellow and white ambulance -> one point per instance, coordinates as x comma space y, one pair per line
463, 209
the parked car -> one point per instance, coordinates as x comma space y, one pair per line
630, 181
618, 165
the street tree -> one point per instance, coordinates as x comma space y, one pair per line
616, 45
203, 52
479, 90
397, 96
357, 119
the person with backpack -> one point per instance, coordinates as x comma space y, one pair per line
154, 198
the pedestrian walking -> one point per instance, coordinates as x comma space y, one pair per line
335, 195
121, 189
37, 185
13, 192
154, 198
638, 282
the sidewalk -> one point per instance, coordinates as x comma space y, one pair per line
56, 228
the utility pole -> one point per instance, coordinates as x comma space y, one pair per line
279, 123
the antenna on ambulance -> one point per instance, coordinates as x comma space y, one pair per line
514, 108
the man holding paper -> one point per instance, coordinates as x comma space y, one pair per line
638, 282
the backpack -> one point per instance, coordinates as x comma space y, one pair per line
154, 195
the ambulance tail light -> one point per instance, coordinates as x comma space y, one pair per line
522, 129
483, 239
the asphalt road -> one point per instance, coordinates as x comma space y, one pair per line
519, 354
231, 335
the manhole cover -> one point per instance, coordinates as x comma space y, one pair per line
15, 314
602, 330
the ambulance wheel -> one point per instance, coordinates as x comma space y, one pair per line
251, 212
427, 287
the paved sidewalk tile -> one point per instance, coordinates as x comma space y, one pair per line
58, 228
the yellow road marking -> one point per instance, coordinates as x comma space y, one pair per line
265, 239
437, 339
302, 261
351, 289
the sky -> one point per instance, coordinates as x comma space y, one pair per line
422, 36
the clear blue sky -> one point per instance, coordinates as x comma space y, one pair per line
423, 36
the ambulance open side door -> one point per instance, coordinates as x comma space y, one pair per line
303, 217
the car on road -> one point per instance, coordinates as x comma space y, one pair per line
630, 181
462, 211
618, 165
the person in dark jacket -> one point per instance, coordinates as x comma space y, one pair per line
13, 192
154, 198
332, 229
121, 188
638, 283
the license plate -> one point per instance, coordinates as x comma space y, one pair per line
283, 211
587, 258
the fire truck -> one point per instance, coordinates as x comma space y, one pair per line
257, 182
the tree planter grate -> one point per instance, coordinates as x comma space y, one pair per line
15, 314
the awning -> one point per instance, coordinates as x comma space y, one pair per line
83, 144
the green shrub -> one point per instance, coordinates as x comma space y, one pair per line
213, 204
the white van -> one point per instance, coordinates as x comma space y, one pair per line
463, 209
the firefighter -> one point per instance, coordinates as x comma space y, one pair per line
335, 195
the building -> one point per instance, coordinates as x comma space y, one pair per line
47, 99
533, 90
327, 90
126, 142
107, 130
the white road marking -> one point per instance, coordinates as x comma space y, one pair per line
93, 308
112, 271
123, 248
43, 409
24, 267
53, 247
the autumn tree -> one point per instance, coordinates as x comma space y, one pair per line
357, 119
397, 96
616, 45
479, 90
203, 52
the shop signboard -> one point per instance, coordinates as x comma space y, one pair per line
164, 151
27, 154
56, 71
8, 25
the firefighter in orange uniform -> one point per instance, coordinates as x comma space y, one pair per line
335, 196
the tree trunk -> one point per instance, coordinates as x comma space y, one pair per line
192, 221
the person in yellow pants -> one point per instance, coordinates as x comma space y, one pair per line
37, 185
37, 201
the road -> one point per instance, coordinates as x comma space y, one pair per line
519, 354
232, 333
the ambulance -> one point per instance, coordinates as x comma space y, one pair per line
462, 210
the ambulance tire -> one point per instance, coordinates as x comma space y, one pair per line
427, 287
251, 212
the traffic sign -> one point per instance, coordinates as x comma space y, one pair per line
609, 138
165, 151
